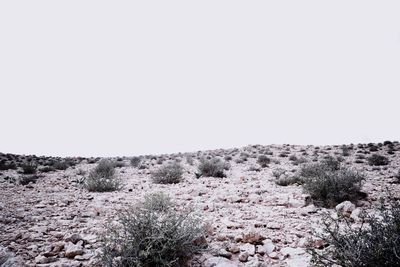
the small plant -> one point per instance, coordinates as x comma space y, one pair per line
263, 161
375, 242
153, 233
135, 161
212, 168
102, 178
168, 174
378, 160
329, 184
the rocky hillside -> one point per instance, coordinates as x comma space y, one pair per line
257, 213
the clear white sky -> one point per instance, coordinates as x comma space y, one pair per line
107, 78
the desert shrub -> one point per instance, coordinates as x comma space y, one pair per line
29, 168
375, 242
135, 161
378, 160
263, 161
211, 168
61, 165
27, 179
153, 233
329, 183
118, 164
5, 165
102, 178
168, 174
189, 159
47, 169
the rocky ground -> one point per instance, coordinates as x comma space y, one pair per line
252, 220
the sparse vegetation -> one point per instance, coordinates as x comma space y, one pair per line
212, 168
328, 183
168, 174
153, 233
29, 168
263, 160
378, 160
102, 178
375, 242
135, 161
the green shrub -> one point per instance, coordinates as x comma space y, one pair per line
168, 174
61, 165
28, 168
263, 161
375, 242
329, 184
135, 161
47, 169
27, 179
378, 160
212, 168
153, 233
102, 178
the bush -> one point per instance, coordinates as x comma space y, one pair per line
102, 178
135, 161
153, 233
212, 168
376, 242
329, 184
27, 179
61, 165
378, 160
168, 174
29, 168
47, 169
263, 161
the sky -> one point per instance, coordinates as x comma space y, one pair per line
124, 78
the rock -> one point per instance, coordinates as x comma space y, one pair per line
355, 214
274, 255
296, 203
345, 208
250, 249
43, 260
267, 248
224, 253
273, 225
290, 252
14, 262
233, 248
243, 256
219, 262
74, 238
72, 250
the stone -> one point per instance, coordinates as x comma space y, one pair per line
345, 208
243, 256
74, 238
267, 248
249, 248
273, 225
274, 255
71, 250
219, 262
234, 248
224, 253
